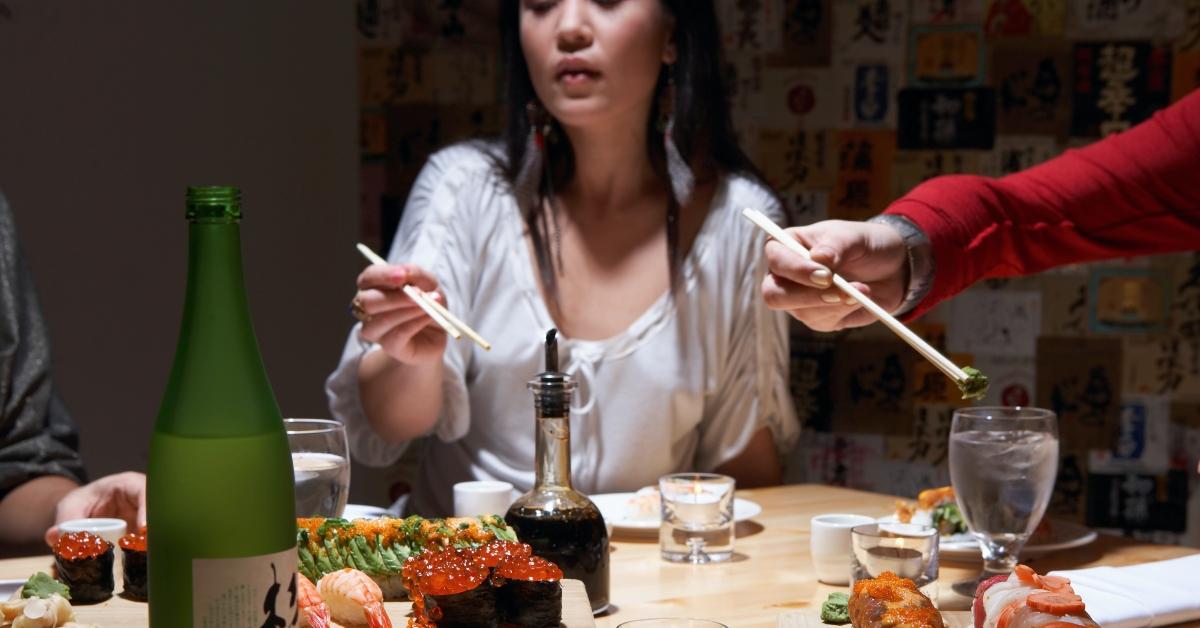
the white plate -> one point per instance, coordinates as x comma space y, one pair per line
1064, 535
613, 506
8, 587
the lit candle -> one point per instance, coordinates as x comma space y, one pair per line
902, 561
696, 506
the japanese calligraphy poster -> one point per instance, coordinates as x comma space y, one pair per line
947, 11
912, 167
1014, 153
393, 76
1108, 19
797, 98
424, 23
804, 207
1080, 379
1068, 501
1138, 501
373, 137
798, 159
1033, 85
810, 364
950, 56
1018, 18
869, 92
1118, 84
755, 26
872, 387
869, 29
1144, 440
807, 32
929, 440
947, 118
1064, 304
864, 163
1189, 38
995, 322
1128, 300
836, 459
466, 76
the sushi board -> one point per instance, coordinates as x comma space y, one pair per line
118, 612
811, 619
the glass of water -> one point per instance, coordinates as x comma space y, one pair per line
908, 550
1003, 463
321, 462
697, 517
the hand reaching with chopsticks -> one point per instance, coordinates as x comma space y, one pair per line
391, 318
873, 257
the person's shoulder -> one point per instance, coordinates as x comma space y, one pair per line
472, 160
740, 191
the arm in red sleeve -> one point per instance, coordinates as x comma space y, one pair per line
1134, 193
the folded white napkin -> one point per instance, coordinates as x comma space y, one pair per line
1150, 594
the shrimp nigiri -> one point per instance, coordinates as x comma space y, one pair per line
314, 613
354, 599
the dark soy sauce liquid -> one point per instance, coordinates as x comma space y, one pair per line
575, 540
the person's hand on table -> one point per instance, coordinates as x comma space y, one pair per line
393, 320
119, 496
871, 256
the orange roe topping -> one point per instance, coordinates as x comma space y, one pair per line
498, 552
911, 616
81, 545
532, 569
134, 541
886, 587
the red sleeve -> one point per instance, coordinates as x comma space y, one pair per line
1133, 193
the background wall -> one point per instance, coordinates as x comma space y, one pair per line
846, 105
108, 110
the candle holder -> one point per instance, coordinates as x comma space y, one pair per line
697, 517
905, 549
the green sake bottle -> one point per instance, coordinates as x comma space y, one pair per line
220, 509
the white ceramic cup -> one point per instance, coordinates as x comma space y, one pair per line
482, 497
110, 530
830, 546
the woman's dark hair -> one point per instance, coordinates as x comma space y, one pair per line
703, 129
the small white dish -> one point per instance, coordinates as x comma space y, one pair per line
9, 587
616, 507
110, 530
1063, 535
363, 511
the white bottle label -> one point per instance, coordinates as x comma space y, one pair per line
252, 592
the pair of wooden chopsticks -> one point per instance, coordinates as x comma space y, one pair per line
951, 369
439, 314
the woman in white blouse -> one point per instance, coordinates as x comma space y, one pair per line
610, 211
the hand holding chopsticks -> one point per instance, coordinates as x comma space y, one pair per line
440, 315
972, 383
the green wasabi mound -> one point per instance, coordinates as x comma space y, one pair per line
836, 608
975, 386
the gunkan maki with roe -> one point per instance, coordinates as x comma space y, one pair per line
450, 589
85, 564
133, 548
530, 592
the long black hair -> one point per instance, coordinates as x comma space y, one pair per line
702, 127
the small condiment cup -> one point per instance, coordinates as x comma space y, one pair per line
482, 497
830, 546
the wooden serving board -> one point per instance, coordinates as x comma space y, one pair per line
119, 612
810, 619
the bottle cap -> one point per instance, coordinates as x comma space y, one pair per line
552, 388
214, 203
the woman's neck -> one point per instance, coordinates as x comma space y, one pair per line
612, 168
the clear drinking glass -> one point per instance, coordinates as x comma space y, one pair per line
321, 462
1003, 462
908, 550
697, 517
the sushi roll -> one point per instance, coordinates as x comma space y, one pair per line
451, 589
85, 564
133, 548
531, 593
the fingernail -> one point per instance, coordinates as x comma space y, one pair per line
830, 297
851, 301
821, 277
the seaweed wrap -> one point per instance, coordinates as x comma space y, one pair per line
85, 564
530, 592
451, 589
133, 548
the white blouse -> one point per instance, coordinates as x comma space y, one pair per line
683, 388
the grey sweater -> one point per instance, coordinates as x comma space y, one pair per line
37, 436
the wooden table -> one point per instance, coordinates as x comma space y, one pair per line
771, 572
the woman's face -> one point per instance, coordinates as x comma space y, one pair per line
592, 60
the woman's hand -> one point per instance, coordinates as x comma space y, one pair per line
393, 320
119, 496
871, 256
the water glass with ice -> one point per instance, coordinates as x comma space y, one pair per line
697, 517
908, 550
321, 462
1003, 463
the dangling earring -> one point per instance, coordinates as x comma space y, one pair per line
680, 173
528, 182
